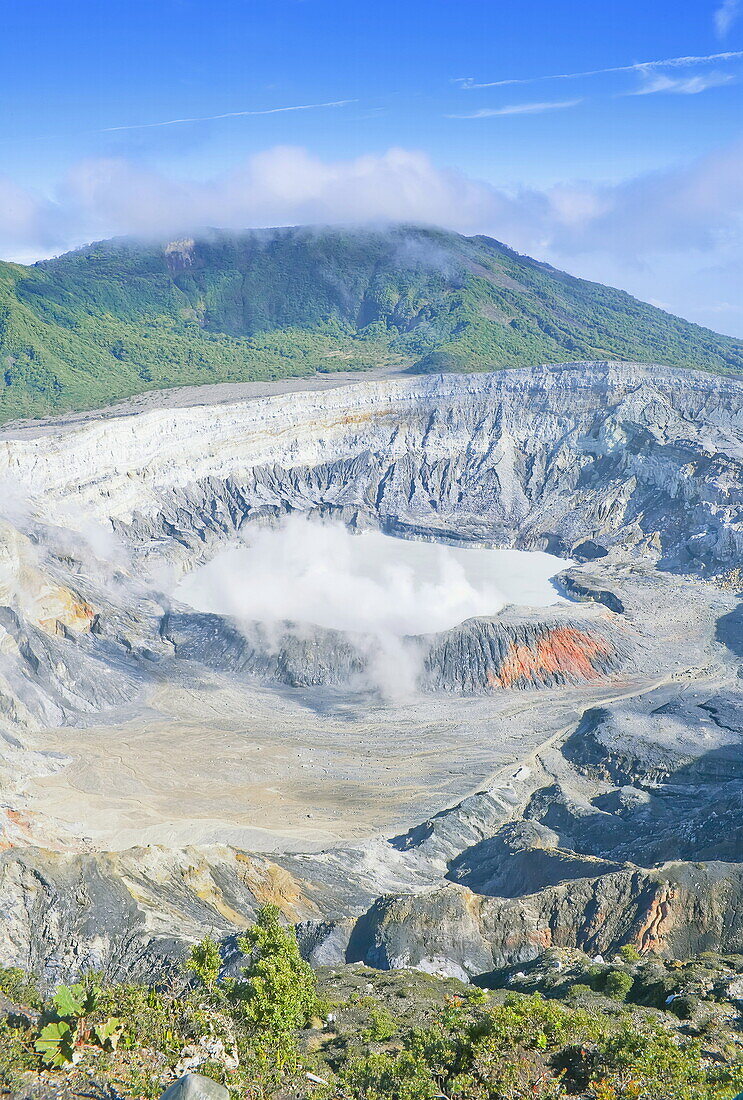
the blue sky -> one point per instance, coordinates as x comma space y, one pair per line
467, 113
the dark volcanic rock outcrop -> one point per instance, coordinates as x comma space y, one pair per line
677, 909
668, 744
536, 651
480, 655
522, 858
298, 655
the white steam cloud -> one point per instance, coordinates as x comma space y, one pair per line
316, 572
308, 571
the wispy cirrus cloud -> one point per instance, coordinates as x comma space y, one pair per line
520, 109
726, 15
655, 81
227, 114
468, 83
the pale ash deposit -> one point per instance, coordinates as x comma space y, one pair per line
549, 772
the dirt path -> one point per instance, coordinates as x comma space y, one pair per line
184, 397
533, 757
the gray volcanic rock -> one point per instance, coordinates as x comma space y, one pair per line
588, 588
620, 455
298, 655
487, 654
691, 745
678, 776
522, 858
581, 453
620, 458
680, 909
612, 810
479, 655
58, 676
194, 1086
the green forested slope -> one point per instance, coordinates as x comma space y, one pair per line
120, 317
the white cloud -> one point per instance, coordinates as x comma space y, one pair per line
26, 220
726, 15
681, 208
229, 114
469, 83
655, 81
695, 206
312, 571
653, 234
282, 185
721, 307
520, 109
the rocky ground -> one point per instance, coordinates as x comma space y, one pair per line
567, 777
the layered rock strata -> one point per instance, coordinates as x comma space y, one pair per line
618, 824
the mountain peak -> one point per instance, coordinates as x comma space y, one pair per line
119, 317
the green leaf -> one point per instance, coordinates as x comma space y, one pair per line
108, 1034
69, 1001
74, 1001
56, 1045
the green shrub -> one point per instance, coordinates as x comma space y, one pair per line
522, 1048
394, 1077
475, 995
278, 993
150, 1019
648, 1063
579, 989
16, 1057
629, 953
381, 1026
684, 1006
205, 962
617, 984
19, 986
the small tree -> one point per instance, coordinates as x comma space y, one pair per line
205, 961
618, 984
278, 992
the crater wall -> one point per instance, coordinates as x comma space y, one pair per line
617, 454
594, 820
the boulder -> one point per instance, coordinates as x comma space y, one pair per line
192, 1086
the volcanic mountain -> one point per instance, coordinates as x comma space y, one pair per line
122, 317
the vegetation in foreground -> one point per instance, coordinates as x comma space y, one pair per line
279, 1030
120, 317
